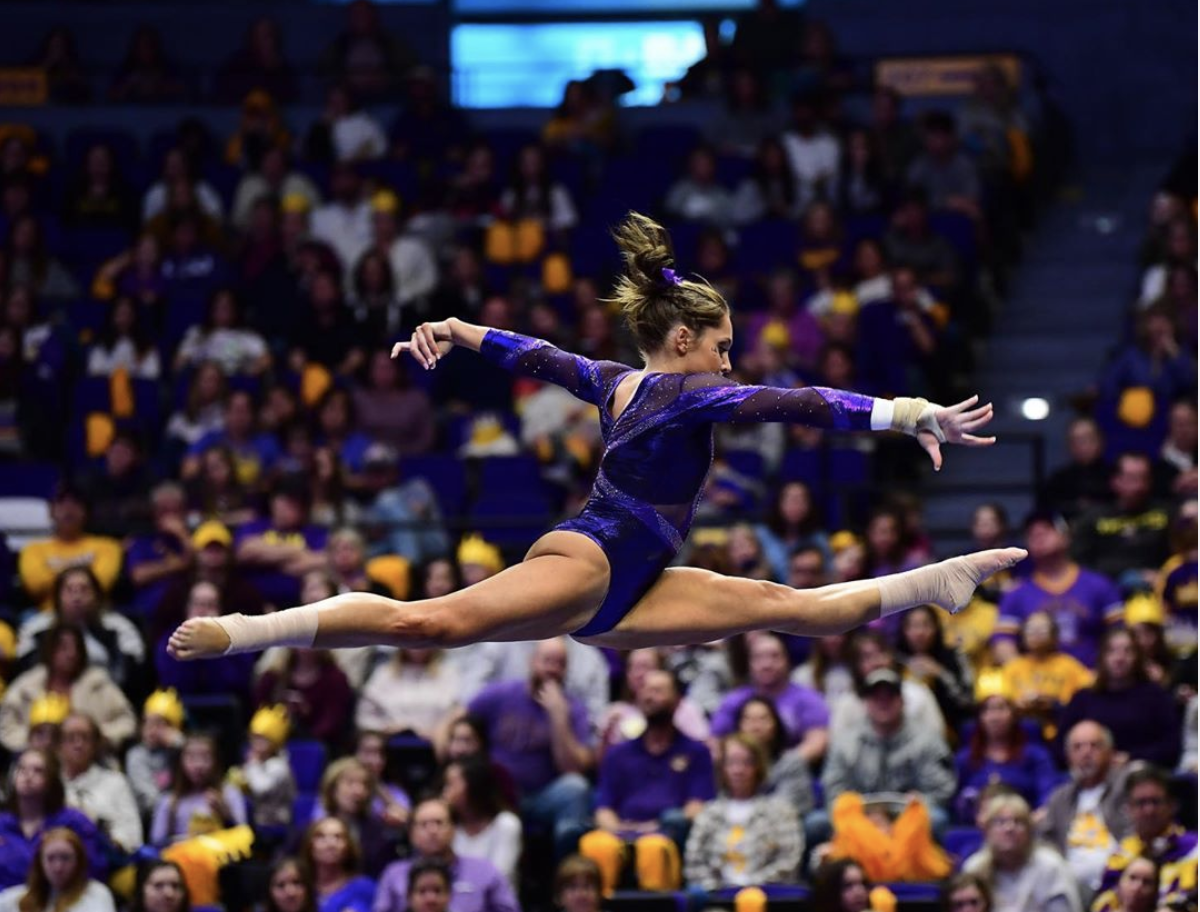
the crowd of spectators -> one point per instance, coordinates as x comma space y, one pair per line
199, 341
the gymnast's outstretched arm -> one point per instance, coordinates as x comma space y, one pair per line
525, 355
715, 398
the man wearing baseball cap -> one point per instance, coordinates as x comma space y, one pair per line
212, 562
887, 753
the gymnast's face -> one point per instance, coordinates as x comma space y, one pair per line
709, 354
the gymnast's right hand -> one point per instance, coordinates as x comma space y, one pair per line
428, 343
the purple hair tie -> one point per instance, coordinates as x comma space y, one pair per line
671, 277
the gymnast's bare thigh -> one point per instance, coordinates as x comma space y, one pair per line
557, 588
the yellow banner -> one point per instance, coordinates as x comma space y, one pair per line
942, 75
22, 86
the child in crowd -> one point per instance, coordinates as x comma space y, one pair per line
266, 776
198, 803
149, 763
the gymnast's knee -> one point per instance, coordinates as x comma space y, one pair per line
418, 626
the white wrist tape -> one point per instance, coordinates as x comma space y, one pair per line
291, 627
912, 415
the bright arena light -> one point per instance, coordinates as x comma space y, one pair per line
1035, 409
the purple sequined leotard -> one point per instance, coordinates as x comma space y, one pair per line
658, 452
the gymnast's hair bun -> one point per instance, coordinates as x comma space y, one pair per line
650, 295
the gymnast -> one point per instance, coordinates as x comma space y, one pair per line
604, 576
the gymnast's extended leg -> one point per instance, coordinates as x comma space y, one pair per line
556, 589
688, 606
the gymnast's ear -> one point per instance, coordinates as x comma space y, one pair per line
682, 339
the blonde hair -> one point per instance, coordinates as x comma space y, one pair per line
1010, 803
333, 773
651, 302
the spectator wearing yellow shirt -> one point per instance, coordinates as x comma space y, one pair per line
40, 562
1043, 678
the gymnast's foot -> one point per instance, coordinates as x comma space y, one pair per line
949, 584
959, 577
198, 638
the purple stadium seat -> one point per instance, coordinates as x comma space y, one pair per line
86, 317
511, 520
506, 143
746, 462
302, 809
802, 465
848, 467
732, 170
861, 227
397, 175
514, 474
959, 230
670, 143
445, 474
307, 760
962, 842
28, 479
767, 245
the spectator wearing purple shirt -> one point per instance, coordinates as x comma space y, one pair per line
476, 885
1081, 602
254, 453
803, 710
36, 803
1140, 714
279, 550
544, 737
224, 675
897, 339
651, 787
784, 318
153, 562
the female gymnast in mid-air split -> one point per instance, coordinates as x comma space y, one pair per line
603, 577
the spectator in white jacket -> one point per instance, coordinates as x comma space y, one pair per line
103, 794
1025, 876
813, 152
414, 269
697, 196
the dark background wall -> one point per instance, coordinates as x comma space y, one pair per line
1124, 71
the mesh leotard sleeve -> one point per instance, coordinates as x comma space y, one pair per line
711, 397
586, 379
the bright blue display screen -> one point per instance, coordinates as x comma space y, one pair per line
559, 7
501, 66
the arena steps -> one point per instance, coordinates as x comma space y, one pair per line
1065, 313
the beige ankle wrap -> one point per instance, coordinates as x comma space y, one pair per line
292, 627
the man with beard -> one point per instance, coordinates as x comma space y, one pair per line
541, 733
650, 789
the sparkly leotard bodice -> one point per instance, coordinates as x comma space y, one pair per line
657, 452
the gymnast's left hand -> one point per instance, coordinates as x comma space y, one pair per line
429, 342
958, 424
